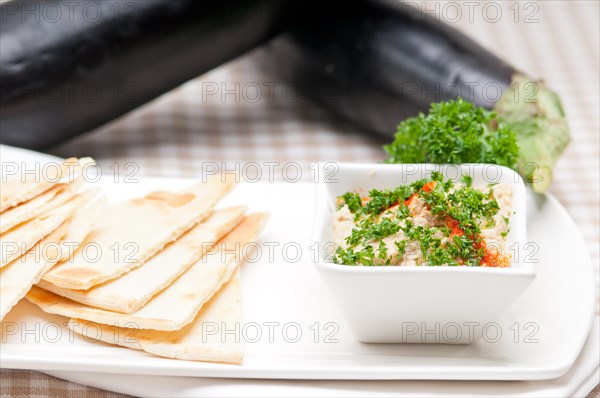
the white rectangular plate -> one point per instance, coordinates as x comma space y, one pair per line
292, 329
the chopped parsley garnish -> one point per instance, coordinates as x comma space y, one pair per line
506, 221
368, 231
353, 201
467, 180
350, 257
382, 200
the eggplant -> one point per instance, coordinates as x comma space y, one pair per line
376, 63
67, 67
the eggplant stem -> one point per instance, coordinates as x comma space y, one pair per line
537, 116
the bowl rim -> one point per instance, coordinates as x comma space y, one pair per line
353, 269
525, 269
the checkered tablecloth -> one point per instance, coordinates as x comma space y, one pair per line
176, 134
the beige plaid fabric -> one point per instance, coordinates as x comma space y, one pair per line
242, 112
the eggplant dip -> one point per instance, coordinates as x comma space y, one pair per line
431, 222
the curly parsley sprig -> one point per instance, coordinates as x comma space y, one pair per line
454, 132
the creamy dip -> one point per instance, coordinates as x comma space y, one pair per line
430, 222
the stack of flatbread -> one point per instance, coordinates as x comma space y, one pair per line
44, 218
157, 273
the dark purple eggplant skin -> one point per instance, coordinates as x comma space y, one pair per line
379, 62
67, 67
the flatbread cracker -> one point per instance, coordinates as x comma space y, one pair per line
177, 305
18, 277
132, 290
51, 199
201, 340
131, 232
22, 238
85, 210
26, 185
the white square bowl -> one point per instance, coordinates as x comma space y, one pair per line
418, 304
